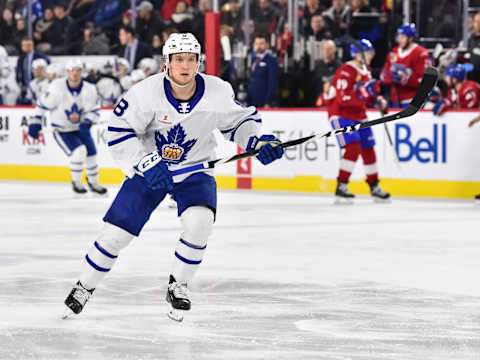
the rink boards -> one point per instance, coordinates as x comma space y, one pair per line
438, 157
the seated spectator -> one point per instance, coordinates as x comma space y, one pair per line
64, 31
157, 44
95, 42
182, 18
127, 18
7, 31
336, 16
263, 82
132, 49
78, 10
169, 7
20, 32
233, 17
266, 17
149, 22
319, 29
41, 33
105, 13
312, 7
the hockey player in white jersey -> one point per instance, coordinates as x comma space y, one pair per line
9, 90
54, 71
149, 66
73, 108
38, 85
163, 124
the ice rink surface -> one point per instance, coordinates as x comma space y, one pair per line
284, 277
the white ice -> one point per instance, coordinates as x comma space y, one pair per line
285, 276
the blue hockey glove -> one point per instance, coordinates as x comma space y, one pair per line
441, 106
367, 90
34, 130
400, 74
155, 172
267, 153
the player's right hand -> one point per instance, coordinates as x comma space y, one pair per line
441, 106
155, 172
34, 130
367, 90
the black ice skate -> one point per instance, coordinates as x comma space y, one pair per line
97, 189
378, 194
477, 198
177, 297
342, 194
76, 300
78, 188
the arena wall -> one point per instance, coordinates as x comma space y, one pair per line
437, 156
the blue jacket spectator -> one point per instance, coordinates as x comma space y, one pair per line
37, 10
263, 83
105, 13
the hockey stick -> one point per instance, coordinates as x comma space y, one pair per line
428, 82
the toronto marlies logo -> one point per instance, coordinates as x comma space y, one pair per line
174, 148
73, 115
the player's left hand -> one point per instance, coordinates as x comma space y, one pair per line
269, 152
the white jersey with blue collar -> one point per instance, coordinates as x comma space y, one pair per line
149, 118
69, 106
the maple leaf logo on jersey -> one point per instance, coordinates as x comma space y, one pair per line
73, 115
174, 148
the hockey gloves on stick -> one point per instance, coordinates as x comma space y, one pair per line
267, 153
441, 106
155, 172
367, 91
34, 130
400, 74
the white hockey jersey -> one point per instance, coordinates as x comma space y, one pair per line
69, 106
9, 90
148, 118
36, 88
109, 91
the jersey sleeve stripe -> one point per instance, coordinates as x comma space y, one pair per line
118, 129
238, 125
241, 123
119, 140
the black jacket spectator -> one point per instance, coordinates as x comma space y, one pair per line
148, 23
7, 31
266, 17
233, 17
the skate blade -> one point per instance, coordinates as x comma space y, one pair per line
382, 201
343, 201
175, 314
68, 314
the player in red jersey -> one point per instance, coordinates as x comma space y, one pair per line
404, 67
354, 90
462, 93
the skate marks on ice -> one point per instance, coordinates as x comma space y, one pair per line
241, 319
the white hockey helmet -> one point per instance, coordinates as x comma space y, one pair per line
73, 64
39, 63
121, 62
148, 65
178, 43
55, 68
137, 75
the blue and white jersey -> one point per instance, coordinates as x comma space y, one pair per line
149, 118
36, 88
68, 106
109, 91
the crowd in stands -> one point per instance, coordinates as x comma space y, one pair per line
271, 72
